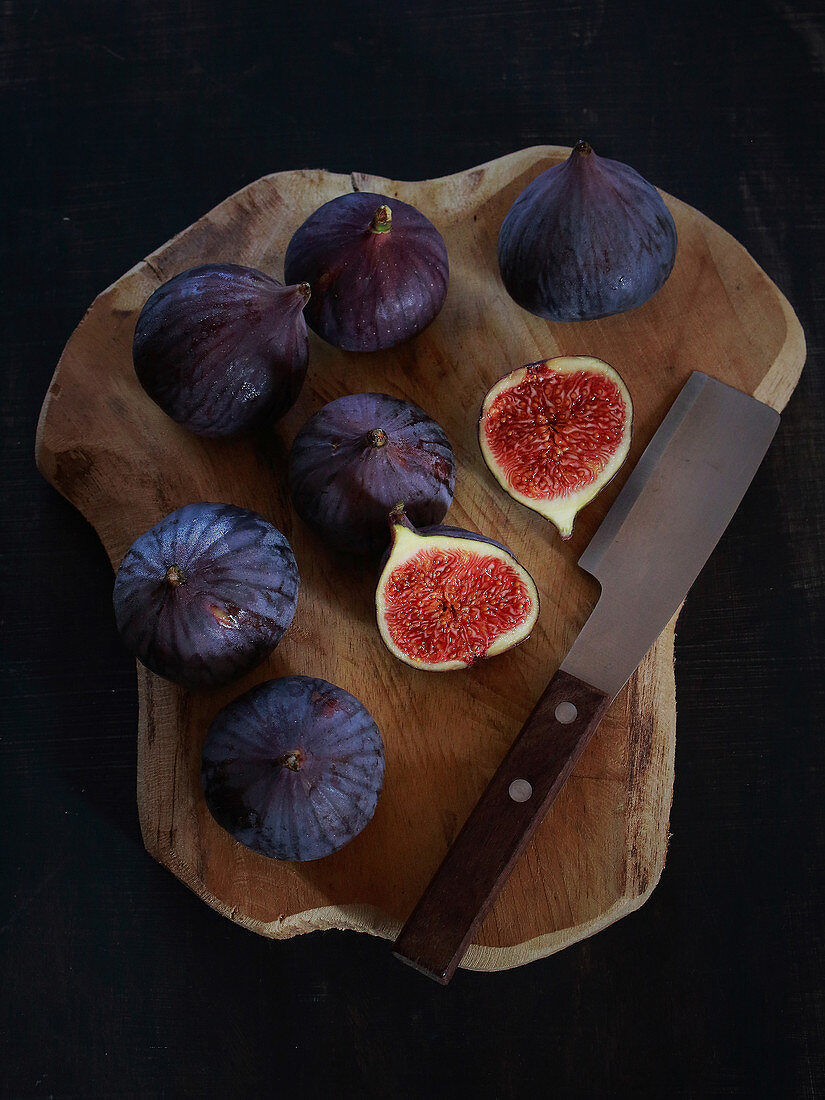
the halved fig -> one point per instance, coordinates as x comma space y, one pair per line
555, 432
448, 597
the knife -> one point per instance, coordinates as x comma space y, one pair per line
646, 554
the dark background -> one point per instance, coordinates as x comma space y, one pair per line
121, 124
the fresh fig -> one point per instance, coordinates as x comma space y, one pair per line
447, 597
377, 268
206, 594
220, 347
587, 238
357, 457
293, 768
555, 432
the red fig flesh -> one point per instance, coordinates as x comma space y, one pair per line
448, 597
555, 432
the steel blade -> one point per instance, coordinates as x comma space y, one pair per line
665, 522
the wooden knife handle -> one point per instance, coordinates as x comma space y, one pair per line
477, 864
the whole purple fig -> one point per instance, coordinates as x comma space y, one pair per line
293, 768
221, 346
359, 456
587, 238
377, 267
206, 594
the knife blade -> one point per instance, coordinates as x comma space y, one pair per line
647, 552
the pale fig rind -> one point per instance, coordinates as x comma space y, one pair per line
221, 347
407, 543
588, 238
575, 430
377, 267
293, 768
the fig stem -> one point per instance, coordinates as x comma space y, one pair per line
305, 291
174, 575
382, 221
398, 517
292, 760
378, 437
583, 148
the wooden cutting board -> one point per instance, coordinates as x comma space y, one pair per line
104, 445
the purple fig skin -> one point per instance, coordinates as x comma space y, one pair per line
399, 516
462, 533
293, 768
373, 286
588, 238
220, 347
357, 457
206, 594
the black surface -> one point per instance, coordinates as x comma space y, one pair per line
121, 124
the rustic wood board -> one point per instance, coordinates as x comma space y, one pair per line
110, 451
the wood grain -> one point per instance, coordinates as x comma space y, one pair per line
102, 443
499, 827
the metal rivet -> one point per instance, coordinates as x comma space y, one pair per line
566, 713
520, 790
